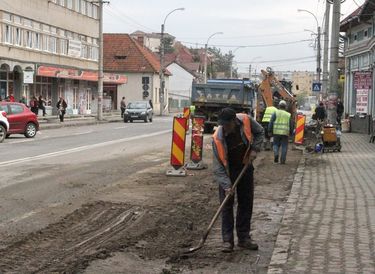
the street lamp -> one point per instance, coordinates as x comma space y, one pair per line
205, 55
231, 65
161, 73
318, 57
252, 60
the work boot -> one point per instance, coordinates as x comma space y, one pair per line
227, 247
248, 244
276, 160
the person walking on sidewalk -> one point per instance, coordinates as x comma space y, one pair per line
320, 113
265, 122
339, 111
281, 127
123, 107
34, 105
61, 106
41, 104
236, 142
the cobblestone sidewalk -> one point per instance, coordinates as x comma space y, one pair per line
329, 221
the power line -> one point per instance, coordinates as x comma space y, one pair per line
276, 61
248, 36
251, 46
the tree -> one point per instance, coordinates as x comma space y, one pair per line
168, 45
220, 62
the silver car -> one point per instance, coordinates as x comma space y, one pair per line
138, 110
4, 125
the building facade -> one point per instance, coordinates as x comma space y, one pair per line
359, 53
50, 48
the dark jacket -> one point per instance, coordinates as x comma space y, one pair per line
340, 108
320, 113
63, 106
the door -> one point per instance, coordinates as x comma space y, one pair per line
16, 118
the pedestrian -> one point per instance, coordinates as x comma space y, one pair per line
339, 111
34, 105
265, 122
281, 127
61, 106
41, 104
11, 98
151, 105
320, 112
123, 107
23, 100
233, 148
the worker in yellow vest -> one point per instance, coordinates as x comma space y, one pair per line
281, 127
265, 122
236, 142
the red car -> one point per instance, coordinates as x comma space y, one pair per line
21, 119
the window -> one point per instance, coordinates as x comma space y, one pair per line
8, 37
18, 40
29, 39
145, 80
75, 98
16, 109
61, 3
83, 51
63, 47
69, 4
95, 53
83, 6
52, 44
77, 5
89, 9
45, 42
95, 11
360, 35
37, 43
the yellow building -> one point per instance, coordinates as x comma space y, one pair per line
302, 82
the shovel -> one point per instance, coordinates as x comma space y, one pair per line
204, 237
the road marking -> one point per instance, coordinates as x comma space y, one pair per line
21, 141
81, 148
121, 127
82, 133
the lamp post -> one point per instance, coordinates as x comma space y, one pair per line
250, 66
161, 72
318, 57
205, 55
231, 65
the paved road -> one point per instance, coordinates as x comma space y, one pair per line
45, 177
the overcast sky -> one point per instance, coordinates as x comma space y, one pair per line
243, 22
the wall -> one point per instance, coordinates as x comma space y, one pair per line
179, 83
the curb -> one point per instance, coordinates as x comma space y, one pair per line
284, 237
46, 126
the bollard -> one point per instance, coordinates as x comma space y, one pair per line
300, 129
178, 147
196, 151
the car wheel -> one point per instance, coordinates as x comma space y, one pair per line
146, 119
131, 120
3, 133
30, 130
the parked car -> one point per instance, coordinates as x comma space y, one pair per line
138, 110
21, 119
4, 125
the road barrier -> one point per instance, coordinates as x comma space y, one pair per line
178, 147
300, 129
187, 116
196, 151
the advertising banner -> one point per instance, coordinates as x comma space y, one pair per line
362, 87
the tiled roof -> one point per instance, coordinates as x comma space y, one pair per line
121, 53
363, 12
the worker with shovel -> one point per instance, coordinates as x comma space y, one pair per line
236, 143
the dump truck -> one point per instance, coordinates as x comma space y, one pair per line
212, 97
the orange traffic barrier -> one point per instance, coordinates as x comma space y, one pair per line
187, 116
300, 129
178, 147
196, 151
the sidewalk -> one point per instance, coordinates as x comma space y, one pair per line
52, 122
329, 221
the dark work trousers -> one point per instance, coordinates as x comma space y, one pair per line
265, 127
122, 112
61, 115
245, 197
280, 141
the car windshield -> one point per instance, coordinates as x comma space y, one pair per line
137, 105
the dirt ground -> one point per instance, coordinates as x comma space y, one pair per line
141, 224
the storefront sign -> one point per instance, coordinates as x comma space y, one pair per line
80, 75
28, 77
362, 86
74, 48
362, 100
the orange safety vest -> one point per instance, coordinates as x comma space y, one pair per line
219, 143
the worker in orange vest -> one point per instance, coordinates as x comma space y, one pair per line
235, 134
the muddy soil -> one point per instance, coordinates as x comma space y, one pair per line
142, 224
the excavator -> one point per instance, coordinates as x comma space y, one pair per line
269, 90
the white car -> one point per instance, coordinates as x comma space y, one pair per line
4, 126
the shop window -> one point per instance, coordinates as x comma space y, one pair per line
88, 99
61, 92
75, 98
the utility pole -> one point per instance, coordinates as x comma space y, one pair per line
334, 61
325, 50
318, 56
161, 72
250, 72
100, 76
205, 63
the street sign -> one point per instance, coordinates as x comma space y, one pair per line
317, 87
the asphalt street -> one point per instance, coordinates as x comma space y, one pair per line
44, 178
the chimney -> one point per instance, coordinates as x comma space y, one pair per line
141, 40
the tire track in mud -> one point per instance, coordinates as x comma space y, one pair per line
68, 246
